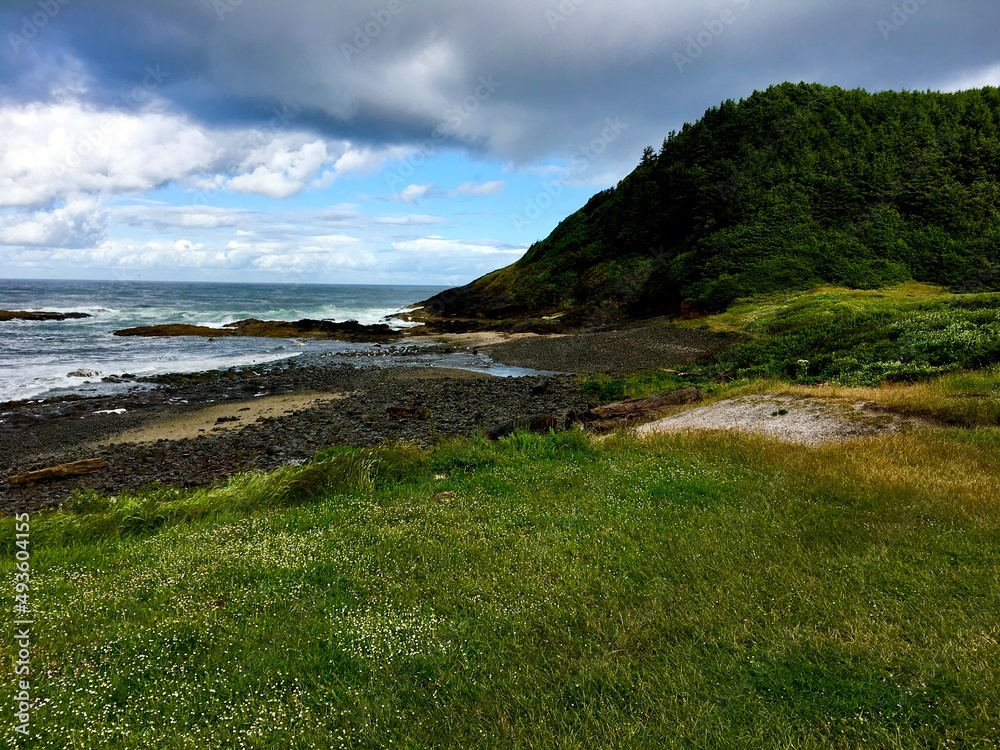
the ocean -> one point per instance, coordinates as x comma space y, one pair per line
46, 359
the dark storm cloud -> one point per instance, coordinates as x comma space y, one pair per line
521, 79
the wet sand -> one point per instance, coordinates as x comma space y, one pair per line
228, 417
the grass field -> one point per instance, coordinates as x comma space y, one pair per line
545, 591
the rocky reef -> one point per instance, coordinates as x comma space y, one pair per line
350, 330
37, 315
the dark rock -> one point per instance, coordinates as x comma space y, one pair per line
350, 330
539, 388
400, 413
41, 316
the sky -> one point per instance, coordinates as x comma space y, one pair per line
391, 141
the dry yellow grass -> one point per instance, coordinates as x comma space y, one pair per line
950, 470
968, 398
961, 476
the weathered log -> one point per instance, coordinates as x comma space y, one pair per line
607, 418
534, 423
640, 407
76, 468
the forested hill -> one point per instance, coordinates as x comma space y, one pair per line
792, 187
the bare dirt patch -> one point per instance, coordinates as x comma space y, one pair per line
794, 419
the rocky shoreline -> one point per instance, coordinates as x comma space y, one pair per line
372, 406
336, 403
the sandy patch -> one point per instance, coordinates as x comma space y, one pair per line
475, 339
790, 418
235, 415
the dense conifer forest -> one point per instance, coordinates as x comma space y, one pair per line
793, 187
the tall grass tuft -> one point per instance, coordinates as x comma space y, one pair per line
88, 516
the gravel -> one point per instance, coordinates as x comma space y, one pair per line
641, 346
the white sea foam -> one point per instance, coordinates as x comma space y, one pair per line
36, 356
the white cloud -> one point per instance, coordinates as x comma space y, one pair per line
55, 151
368, 159
410, 220
322, 254
81, 222
494, 187
973, 79
181, 217
441, 246
413, 193
51, 151
278, 170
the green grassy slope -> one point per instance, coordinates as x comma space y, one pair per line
796, 186
898, 334
709, 591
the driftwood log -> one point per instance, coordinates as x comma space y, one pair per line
608, 417
75, 469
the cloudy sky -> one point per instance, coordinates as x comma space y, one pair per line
392, 141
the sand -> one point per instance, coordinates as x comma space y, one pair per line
206, 421
476, 339
808, 421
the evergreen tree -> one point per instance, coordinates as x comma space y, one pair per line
794, 186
